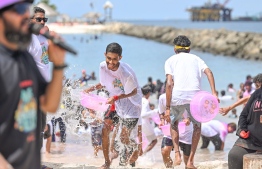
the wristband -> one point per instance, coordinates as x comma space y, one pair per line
115, 98
167, 107
59, 67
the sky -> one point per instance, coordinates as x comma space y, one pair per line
152, 9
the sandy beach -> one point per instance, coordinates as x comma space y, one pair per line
75, 28
77, 152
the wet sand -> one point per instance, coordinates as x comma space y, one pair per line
77, 153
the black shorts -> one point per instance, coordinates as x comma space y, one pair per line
47, 133
215, 140
129, 123
186, 148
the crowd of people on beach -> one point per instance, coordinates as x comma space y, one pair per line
29, 92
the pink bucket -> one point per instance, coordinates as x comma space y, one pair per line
166, 128
204, 106
94, 102
156, 119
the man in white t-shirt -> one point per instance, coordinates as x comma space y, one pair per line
183, 72
39, 50
125, 95
39, 45
216, 132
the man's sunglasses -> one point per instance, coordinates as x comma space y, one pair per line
41, 19
19, 8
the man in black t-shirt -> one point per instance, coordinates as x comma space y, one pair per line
23, 89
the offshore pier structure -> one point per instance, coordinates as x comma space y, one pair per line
211, 12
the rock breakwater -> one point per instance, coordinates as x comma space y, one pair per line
245, 45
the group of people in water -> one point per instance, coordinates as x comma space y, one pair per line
136, 118
27, 94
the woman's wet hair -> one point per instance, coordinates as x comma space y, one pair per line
114, 48
182, 41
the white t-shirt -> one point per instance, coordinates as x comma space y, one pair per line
184, 137
214, 127
187, 70
162, 103
38, 49
146, 114
122, 81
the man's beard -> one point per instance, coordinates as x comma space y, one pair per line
14, 35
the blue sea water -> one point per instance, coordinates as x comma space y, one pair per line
147, 57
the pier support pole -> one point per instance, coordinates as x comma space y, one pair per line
252, 161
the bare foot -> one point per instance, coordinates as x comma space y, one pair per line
105, 166
190, 166
177, 160
113, 156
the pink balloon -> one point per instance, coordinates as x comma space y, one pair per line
204, 106
94, 102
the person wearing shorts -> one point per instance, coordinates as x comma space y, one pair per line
120, 81
183, 73
47, 136
185, 141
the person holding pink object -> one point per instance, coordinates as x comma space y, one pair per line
125, 93
184, 72
185, 136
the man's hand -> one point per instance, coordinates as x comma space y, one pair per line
224, 111
244, 134
167, 116
110, 100
187, 121
90, 89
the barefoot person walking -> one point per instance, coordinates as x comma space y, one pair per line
183, 73
120, 81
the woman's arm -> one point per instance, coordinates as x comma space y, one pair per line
224, 111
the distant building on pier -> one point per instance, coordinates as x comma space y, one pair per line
211, 12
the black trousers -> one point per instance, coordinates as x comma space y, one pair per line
235, 157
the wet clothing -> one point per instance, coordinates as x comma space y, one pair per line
21, 85
122, 81
186, 70
176, 113
96, 136
47, 133
186, 148
214, 139
129, 123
